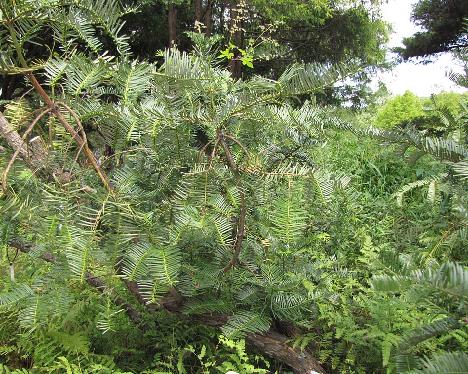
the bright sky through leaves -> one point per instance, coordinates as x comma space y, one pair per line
422, 79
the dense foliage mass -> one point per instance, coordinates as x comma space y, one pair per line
443, 24
168, 217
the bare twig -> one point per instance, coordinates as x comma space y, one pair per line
81, 140
80, 126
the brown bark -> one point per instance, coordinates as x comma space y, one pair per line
172, 24
209, 18
236, 24
197, 4
275, 345
34, 155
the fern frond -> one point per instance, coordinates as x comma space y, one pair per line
18, 112
5, 370
444, 149
30, 314
134, 262
106, 14
324, 185
450, 278
461, 169
132, 80
77, 343
430, 182
84, 75
289, 218
106, 319
78, 252
180, 65
427, 331
288, 306
152, 290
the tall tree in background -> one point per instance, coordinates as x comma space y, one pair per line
276, 33
313, 30
444, 28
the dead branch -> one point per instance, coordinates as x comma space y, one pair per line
18, 150
14, 140
240, 232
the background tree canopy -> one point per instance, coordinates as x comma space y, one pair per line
444, 24
315, 30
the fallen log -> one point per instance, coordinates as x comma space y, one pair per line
270, 343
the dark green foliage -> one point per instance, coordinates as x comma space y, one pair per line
444, 28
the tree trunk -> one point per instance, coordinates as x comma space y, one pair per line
197, 4
270, 343
276, 345
209, 18
172, 25
221, 16
235, 66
